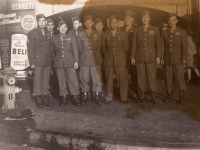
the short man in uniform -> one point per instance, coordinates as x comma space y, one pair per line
90, 55
98, 25
50, 26
175, 55
115, 44
65, 63
146, 53
129, 29
40, 58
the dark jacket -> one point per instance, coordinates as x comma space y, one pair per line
38, 46
175, 46
65, 52
90, 53
115, 48
146, 45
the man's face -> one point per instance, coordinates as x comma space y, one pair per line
76, 24
50, 26
62, 29
173, 21
41, 23
145, 19
113, 24
128, 21
88, 24
99, 26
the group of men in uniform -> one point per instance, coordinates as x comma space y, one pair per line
81, 55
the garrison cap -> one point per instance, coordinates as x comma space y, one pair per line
171, 15
145, 13
112, 17
49, 20
60, 23
75, 19
39, 16
87, 17
97, 20
129, 13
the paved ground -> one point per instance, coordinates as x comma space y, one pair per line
139, 125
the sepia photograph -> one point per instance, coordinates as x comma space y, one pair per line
99, 74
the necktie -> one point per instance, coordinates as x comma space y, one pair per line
171, 30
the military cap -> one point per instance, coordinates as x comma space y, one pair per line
145, 13
112, 17
39, 16
60, 23
49, 20
129, 13
171, 15
97, 20
87, 17
75, 19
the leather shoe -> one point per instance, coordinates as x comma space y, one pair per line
38, 101
63, 101
76, 99
125, 102
45, 100
97, 98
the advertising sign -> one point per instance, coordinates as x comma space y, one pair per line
19, 57
16, 17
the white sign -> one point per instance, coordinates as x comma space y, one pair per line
19, 57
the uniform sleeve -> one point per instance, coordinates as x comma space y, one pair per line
99, 42
52, 48
134, 45
184, 45
104, 43
78, 42
75, 49
31, 48
162, 45
158, 43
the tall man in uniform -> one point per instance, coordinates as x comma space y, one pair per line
98, 25
50, 26
145, 53
77, 26
175, 55
65, 63
90, 55
40, 58
115, 44
129, 29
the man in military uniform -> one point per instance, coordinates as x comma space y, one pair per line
175, 55
77, 26
98, 25
65, 63
40, 58
129, 29
115, 44
90, 61
145, 53
50, 26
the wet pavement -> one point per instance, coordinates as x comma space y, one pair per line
146, 124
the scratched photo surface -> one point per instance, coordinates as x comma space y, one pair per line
99, 74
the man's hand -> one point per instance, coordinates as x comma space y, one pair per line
33, 66
133, 61
75, 65
162, 62
184, 61
158, 60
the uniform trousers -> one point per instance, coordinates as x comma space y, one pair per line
176, 71
87, 74
68, 81
41, 80
121, 73
146, 77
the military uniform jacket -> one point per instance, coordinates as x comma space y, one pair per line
90, 53
115, 48
130, 34
38, 46
175, 46
146, 45
65, 51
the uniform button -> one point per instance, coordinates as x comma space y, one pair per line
62, 51
170, 35
145, 34
170, 49
145, 48
62, 55
145, 39
90, 47
170, 45
145, 43
113, 52
90, 51
62, 47
37, 56
46, 51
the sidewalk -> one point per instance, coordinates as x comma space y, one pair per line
114, 126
